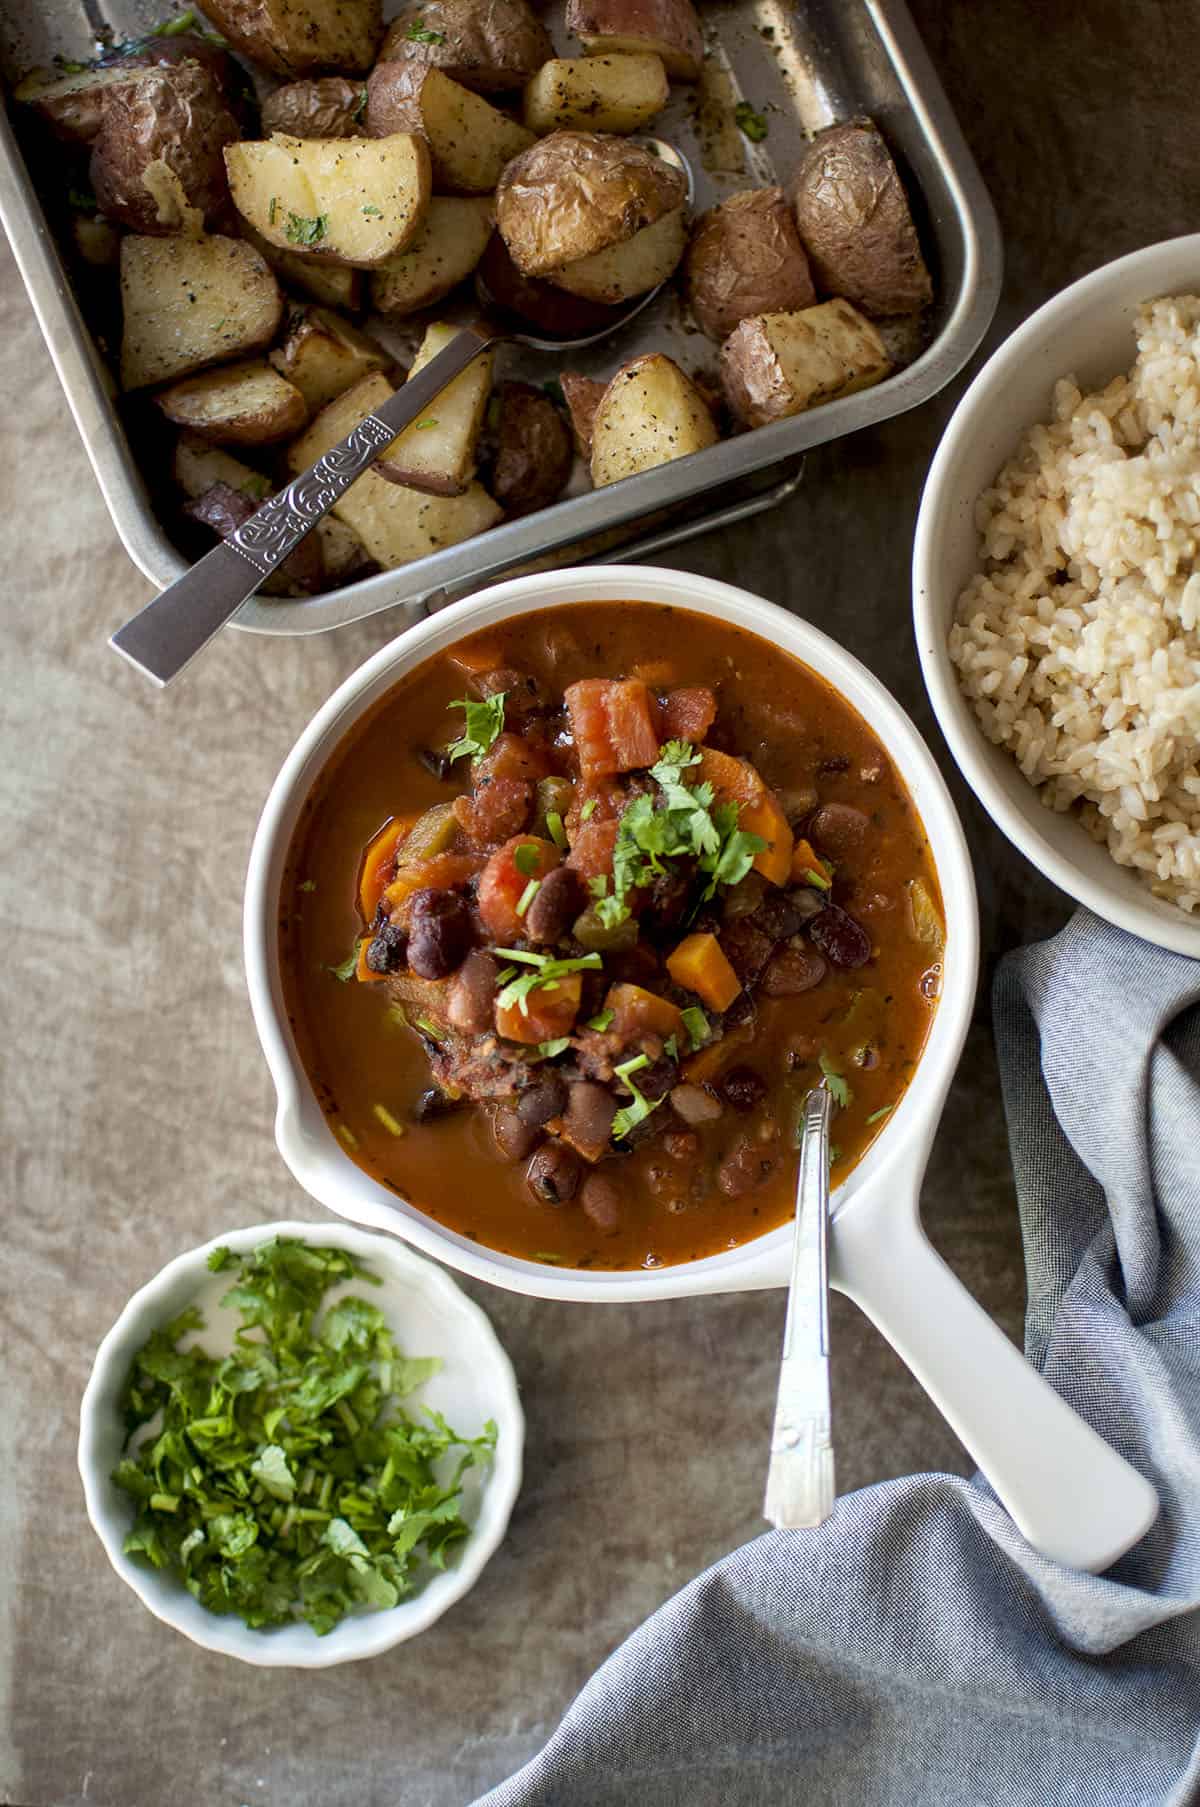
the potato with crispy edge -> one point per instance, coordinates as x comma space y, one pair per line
199, 467
575, 193
394, 523
668, 29
650, 414
450, 243
532, 454
470, 141
437, 452
776, 365
72, 105
301, 37
745, 257
492, 47
352, 200
188, 302
158, 156
583, 395
595, 94
620, 272
333, 285
554, 312
323, 355
855, 222
323, 106
239, 404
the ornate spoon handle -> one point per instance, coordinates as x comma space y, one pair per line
171, 630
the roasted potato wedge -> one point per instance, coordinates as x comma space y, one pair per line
775, 365
745, 257
323, 355
157, 157
188, 302
595, 94
437, 453
491, 48
575, 193
469, 140
334, 285
650, 413
96, 240
532, 452
224, 509
395, 524
197, 467
855, 222
451, 242
73, 105
553, 311
301, 37
582, 395
353, 200
240, 404
325, 106
622, 271
666, 28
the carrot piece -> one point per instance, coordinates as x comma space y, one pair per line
376, 862
699, 965
441, 873
613, 725
706, 1062
736, 781
733, 780
362, 972
549, 1013
688, 714
591, 852
805, 863
503, 882
637, 1011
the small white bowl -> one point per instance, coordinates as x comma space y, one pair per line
429, 1315
1087, 332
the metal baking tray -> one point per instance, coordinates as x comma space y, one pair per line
804, 64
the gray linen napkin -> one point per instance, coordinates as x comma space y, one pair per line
916, 1650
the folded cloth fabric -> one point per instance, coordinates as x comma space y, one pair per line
915, 1650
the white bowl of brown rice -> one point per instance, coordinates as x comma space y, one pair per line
1056, 583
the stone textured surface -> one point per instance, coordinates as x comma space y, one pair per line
137, 1111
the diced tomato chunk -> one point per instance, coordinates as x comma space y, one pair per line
504, 879
688, 714
494, 812
613, 722
592, 849
550, 1011
512, 756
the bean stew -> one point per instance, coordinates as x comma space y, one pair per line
570, 925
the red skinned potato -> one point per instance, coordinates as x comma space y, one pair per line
224, 509
667, 28
745, 257
239, 404
855, 222
650, 414
469, 140
621, 272
158, 159
576, 193
492, 46
582, 395
73, 105
533, 455
301, 37
327, 106
776, 365
551, 310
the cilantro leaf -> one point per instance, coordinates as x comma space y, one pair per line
696, 1024
548, 1050
417, 34
348, 967
833, 1079
601, 1021
630, 1115
484, 724
546, 972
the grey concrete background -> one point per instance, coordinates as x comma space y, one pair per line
136, 1109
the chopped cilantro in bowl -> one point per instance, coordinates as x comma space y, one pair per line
318, 1470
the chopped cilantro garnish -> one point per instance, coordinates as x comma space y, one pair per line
750, 123
528, 894
588, 810
359, 108
304, 230
548, 1050
428, 1027
307, 884
371, 211
525, 859
272, 210
430, 420
283, 1482
820, 880
671, 1047
696, 1024
417, 34
630, 1115
484, 725
349, 966
877, 1116
835, 1154
348, 1136
840, 1091
555, 829
392, 1124
632, 1066
174, 28
598, 884
546, 973
601, 1021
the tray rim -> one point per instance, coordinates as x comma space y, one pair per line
551, 531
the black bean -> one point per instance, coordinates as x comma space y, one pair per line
777, 916
741, 1011
437, 761
843, 941
669, 895
656, 1080
439, 933
435, 1103
385, 953
545, 1098
589, 1116
553, 1174
743, 1088
514, 1137
558, 900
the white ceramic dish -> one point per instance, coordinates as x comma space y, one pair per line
430, 1316
1087, 331
1040, 1458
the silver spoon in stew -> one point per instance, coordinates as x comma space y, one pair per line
168, 633
800, 1478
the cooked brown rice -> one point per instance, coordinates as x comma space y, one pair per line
1079, 639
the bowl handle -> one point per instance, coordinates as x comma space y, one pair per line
1071, 1496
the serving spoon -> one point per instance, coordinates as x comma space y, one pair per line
167, 634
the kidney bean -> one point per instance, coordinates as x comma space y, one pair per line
843, 941
778, 916
514, 1137
435, 1103
553, 1174
439, 933
793, 970
557, 902
681, 1144
838, 829
545, 1098
746, 948
385, 952
600, 1198
746, 1166
588, 1117
743, 1088
472, 994
656, 1080
694, 1104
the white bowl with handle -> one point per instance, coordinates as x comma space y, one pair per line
1068, 1492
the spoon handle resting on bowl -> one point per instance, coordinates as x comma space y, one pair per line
800, 1479
168, 633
